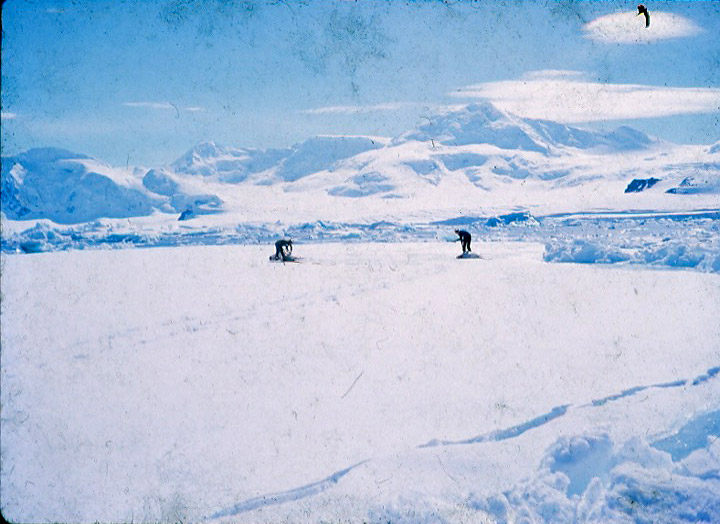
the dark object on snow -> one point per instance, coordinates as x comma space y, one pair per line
641, 184
283, 250
642, 10
187, 214
464, 239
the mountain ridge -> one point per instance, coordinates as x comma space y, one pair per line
478, 147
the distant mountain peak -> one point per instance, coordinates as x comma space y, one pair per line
204, 158
484, 123
477, 123
487, 109
208, 148
311, 155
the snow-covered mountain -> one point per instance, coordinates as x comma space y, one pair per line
483, 123
478, 145
70, 188
184, 196
498, 153
455, 159
264, 167
226, 164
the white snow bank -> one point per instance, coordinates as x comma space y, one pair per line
591, 479
624, 471
678, 241
588, 479
676, 253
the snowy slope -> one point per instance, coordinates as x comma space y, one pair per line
483, 123
185, 195
370, 383
511, 160
322, 152
229, 164
70, 188
477, 153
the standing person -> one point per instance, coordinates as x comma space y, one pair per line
464, 239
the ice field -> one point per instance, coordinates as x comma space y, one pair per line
372, 382
156, 367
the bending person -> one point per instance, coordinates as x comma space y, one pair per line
464, 239
283, 249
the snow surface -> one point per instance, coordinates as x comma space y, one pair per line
372, 382
569, 374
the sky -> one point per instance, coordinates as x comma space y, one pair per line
141, 82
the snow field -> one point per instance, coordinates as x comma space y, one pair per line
181, 383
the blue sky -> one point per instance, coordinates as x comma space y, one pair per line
141, 82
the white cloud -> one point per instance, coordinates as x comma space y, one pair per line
554, 73
8, 116
151, 105
164, 105
570, 99
628, 28
354, 110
